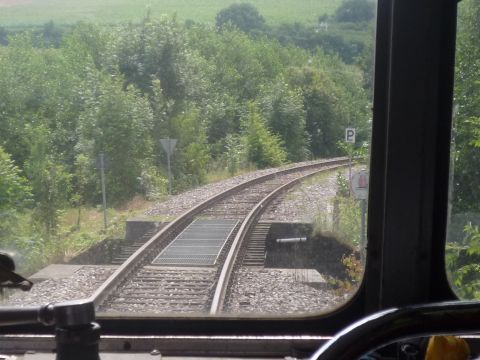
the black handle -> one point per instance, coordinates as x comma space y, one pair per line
76, 334
392, 325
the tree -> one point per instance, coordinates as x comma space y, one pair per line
51, 35
118, 123
51, 183
59, 82
467, 118
333, 99
264, 149
310, 38
15, 196
243, 16
192, 154
285, 114
324, 118
3, 36
155, 50
355, 11
15, 192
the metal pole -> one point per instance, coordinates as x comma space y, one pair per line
104, 194
169, 170
350, 173
363, 240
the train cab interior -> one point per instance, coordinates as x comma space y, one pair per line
405, 295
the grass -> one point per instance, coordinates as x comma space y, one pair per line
38, 12
79, 230
92, 220
33, 250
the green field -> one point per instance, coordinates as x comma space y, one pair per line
37, 12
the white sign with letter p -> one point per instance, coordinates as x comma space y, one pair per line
350, 135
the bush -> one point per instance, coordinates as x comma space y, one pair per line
263, 148
355, 11
153, 184
243, 16
463, 263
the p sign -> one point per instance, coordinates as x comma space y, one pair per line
350, 135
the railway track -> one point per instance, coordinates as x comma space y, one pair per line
186, 267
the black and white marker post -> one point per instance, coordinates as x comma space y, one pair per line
103, 166
169, 146
359, 186
350, 139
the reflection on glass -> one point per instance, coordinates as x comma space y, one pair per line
463, 251
116, 120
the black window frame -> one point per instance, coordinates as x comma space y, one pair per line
409, 173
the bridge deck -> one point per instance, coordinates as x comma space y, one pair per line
199, 244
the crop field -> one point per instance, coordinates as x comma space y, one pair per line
38, 12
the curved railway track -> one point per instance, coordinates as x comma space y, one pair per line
148, 282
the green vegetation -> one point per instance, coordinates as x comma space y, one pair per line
243, 16
233, 99
463, 263
344, 222
463, 249
355, 11
467, 117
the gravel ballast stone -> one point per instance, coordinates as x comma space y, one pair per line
80, 285
256, 290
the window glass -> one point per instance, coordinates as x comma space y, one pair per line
117, 118
463, 242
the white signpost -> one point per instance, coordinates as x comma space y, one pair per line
350, 139
169, 147
350, 135
103, 163
359, 186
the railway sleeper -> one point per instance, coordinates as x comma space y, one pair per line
187, 302
173, 280
176, 293
160, 296
151, 285
178, 270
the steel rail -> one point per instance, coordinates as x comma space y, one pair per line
135, 260
221, 288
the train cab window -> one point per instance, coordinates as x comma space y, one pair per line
199, 171
186, 158
462, 251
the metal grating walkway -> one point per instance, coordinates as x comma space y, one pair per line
199, 244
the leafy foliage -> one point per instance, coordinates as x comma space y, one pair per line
263, 148
117, 123
327, 111
285, 115
232, 100
355, 11
51, 183
354, 271
332, 41
463, 263
467, 118
244, 16
14, 189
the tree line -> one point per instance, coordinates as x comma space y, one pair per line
231, 99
